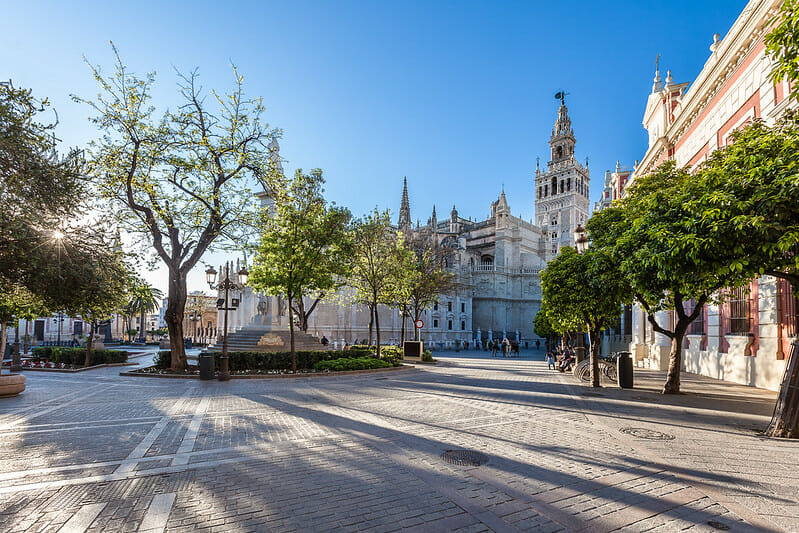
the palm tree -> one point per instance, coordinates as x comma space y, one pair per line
144, 299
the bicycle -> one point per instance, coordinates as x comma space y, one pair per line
582, 370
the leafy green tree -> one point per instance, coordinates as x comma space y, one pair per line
374, 265
88, 277
16, 302
144, 298
671, 257
584, 289
421, 275
39, 190
304, 247
543, 327
747, 195
183, 182
782, 44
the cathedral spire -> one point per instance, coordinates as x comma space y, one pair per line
405, 206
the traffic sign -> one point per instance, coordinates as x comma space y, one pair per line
419, 324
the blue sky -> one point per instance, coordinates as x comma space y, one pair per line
457, 96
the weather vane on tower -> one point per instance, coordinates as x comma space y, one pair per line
561, 95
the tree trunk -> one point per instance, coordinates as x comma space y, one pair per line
291, 336
142, 331
25, 341
377, 331
173, 316
371, 323
593, 342
672, 385
15, 355
2, 342
88, 358
402, 331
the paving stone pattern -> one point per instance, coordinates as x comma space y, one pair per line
99, 452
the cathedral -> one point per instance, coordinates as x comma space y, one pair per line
496, 262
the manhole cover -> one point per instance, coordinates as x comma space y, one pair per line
592, 394
649, 434
464, 457
718, 525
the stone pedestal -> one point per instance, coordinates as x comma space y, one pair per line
11, 384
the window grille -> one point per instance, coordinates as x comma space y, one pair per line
740, 317
697, 327
790, 308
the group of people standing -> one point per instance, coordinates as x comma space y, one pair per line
508, 348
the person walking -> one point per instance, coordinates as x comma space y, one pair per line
550, 361
494, 348
537, 344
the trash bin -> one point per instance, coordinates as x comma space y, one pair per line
206, 366
624, 367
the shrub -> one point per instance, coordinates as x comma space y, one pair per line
391, 354
77, 356
357, 350
276, 361
427, 356
349, 363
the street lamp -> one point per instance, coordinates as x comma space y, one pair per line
580, 239
223, 304
59, 320
581, 244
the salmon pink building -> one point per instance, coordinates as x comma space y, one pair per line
747, 339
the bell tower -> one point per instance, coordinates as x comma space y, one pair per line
562, 190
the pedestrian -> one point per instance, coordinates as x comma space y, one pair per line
494, 348
550, 361
505, 347
537, 344
325, 341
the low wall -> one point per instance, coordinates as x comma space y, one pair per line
761, 370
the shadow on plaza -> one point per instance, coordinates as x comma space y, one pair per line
330, 474
411, 445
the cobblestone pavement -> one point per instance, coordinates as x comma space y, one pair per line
96, 451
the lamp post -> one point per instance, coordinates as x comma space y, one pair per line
581, 244
60, 320
224, 304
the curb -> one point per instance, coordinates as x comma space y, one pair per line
275, 376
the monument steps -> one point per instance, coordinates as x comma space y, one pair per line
268, 339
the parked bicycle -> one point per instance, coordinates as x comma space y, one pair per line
607, 368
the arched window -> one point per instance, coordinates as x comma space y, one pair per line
487, 261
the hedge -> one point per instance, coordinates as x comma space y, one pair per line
348, 363
77, 356
392, 354
238, 361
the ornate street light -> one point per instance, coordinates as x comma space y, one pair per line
580, 239
223, 304
581, 244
